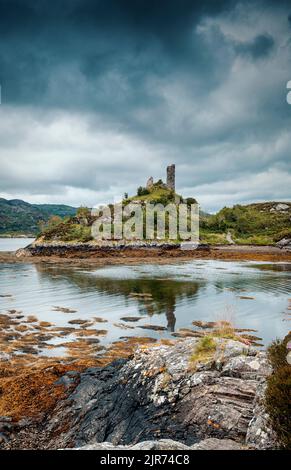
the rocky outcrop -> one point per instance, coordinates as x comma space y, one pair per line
168, 444
160, 394
285, 244
280, 207
92, 249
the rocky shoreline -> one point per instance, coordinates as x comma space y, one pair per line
157, 399
114, 249
92, 255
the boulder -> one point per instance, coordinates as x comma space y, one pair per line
168, 444
282, 207
285, 244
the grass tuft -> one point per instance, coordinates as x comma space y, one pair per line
204, 350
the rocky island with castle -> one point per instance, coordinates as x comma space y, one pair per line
74, 236
221, 234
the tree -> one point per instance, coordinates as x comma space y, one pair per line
142, 191
83, 212
54, 221
190, 200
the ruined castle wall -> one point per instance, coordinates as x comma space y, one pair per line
171, 177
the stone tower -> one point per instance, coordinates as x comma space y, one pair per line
171, 177
150, 183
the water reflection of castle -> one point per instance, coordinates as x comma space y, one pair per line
168, 306
165, 293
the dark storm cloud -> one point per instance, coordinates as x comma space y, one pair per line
94, 37
139, 83
258, 48
100, 54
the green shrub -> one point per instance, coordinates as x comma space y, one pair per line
68, 232
83, 212
255, 240
286, 233
254, 223
213, 238
77, 233
142, 191
54, 221
190, 200
277, 352
278, 393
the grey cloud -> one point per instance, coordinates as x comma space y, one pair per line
141, 84
258, 48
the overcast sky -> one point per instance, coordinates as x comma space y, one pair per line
98, 95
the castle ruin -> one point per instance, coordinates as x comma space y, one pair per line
171, 177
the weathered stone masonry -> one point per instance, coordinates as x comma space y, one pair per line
171, 177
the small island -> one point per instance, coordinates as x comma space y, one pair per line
258, 231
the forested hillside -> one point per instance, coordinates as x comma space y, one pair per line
18, 217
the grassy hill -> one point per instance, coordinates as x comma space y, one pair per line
158, 194
78, 228
18, 217
259, 223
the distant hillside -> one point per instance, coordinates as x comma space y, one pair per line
18, 217
259, 223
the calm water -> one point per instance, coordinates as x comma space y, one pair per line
13, 244
181, 293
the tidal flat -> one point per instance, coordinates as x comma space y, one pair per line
58, 316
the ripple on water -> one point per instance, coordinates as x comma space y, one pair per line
169, 296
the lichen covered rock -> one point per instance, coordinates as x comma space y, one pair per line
158, 395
